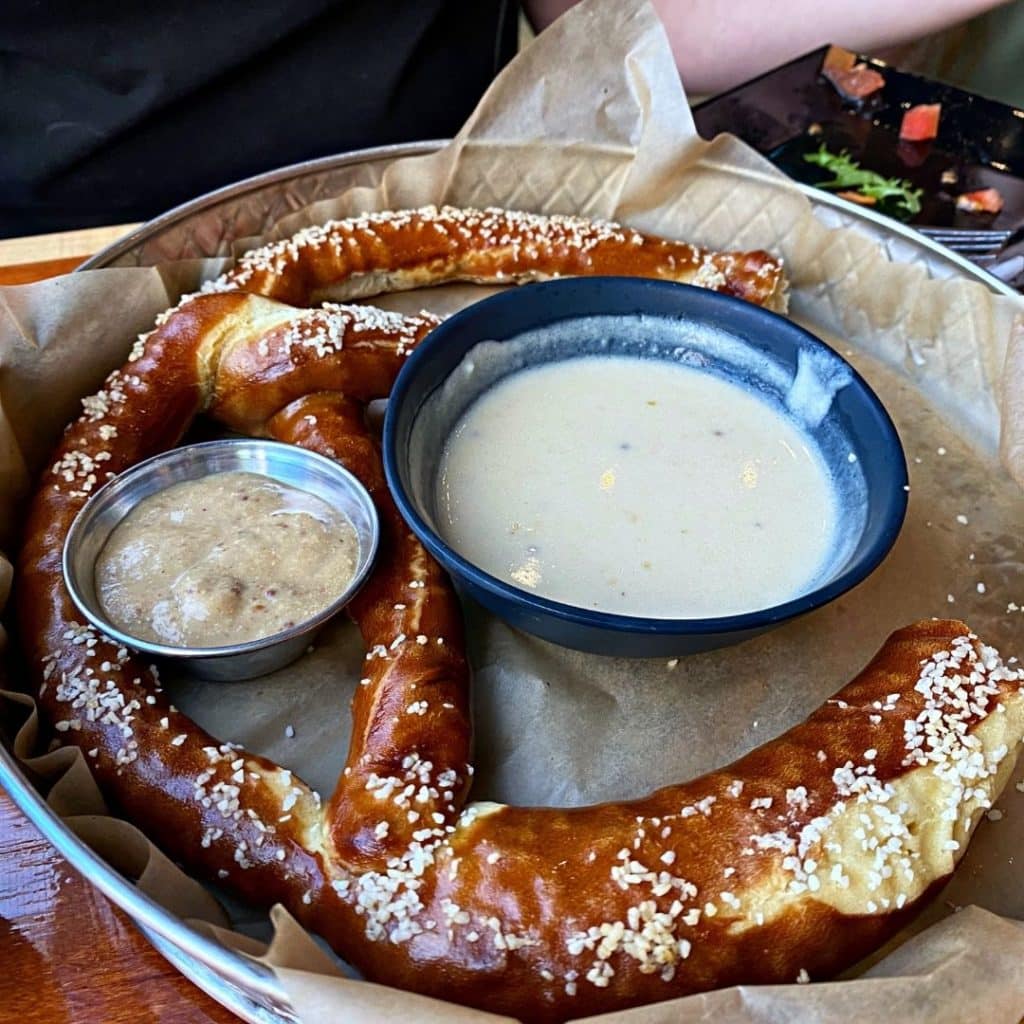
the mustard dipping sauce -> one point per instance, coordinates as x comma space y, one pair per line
226, 559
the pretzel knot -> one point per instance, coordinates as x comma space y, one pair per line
800, 857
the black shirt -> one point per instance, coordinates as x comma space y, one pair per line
115, 111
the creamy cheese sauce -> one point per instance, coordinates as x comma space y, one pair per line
225, 559
637, 486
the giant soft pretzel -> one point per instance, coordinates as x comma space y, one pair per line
800, 857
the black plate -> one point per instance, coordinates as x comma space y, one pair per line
789, 112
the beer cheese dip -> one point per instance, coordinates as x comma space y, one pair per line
637, 486
222, 560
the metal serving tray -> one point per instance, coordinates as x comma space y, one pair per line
206, 227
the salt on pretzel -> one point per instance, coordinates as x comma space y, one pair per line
397, 251
800, 857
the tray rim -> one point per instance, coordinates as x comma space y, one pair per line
149, 916
912, 236
397, 151
228, 976
176, 214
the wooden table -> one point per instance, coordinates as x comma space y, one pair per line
66, 953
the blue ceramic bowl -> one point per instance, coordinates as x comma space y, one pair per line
659, 320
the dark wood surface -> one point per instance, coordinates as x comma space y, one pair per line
67, 955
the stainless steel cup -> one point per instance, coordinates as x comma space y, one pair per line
285, 463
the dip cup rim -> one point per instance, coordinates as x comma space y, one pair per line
738, 310
123, 481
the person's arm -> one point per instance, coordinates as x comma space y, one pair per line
719, 43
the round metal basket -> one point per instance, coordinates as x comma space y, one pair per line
206, 227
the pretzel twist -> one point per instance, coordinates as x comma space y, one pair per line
801, 856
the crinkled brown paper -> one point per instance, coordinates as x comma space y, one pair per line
591, 119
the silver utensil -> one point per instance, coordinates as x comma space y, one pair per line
978, 244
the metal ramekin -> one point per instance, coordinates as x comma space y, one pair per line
282, 462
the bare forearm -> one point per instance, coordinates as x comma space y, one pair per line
718, 43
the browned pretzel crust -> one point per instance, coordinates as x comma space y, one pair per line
384, 252
802, 856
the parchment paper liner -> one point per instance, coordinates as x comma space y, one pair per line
591, 119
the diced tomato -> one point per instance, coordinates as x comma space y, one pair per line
852, 80
985, 200
921, 123
857, 197
838, 59
857, 83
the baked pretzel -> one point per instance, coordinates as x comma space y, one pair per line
387, 252
794, 861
